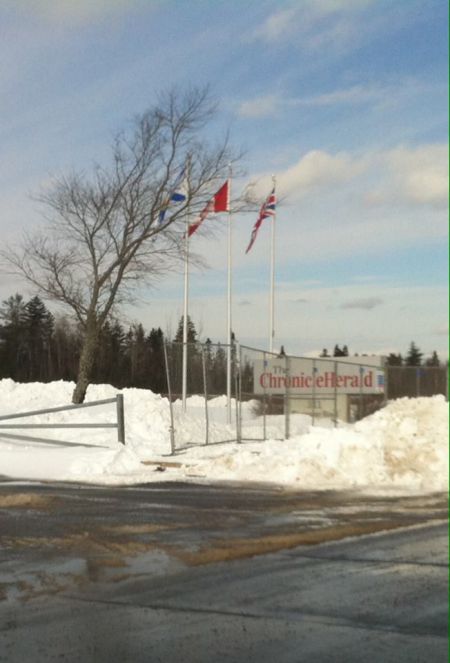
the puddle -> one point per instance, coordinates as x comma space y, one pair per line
60, 576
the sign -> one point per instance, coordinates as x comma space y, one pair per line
300, 377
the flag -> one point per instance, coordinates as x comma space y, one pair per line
177, 195
220, 202
267, 209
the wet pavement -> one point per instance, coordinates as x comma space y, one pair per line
183, 572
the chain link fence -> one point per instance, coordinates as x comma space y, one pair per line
206, 418
415, 381
277, 396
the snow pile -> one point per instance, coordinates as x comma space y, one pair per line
403, 446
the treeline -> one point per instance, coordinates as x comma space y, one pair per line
413, 357
36, 346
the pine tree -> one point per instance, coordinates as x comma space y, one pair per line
13, 337
414, 356
156, 379
137, 356
433, 360
40, 325
66, 342
109, 361
394, 359
191, 331
219, 380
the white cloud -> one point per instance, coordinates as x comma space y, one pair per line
415, 175
379, 95
260, 107
318, 22
364, 303
271, 105
423, 171
316, 169
276, 25
408, 176
442, 331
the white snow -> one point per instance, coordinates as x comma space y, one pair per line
402, 447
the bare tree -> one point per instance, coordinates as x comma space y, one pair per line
105, 233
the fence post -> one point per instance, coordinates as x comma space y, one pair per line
120, 419
386, 381
314, 369
169, 393
417, 382
287, 402
360, 402
335, 394
205, 391
264, 398
237, 378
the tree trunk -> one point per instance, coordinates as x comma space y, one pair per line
86, 363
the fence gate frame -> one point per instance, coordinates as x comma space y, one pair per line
119, 425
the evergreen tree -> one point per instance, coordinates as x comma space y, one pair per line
40, 324
66, 343
219, 379
191, 331
111, 353
137, 356
157, 378
118, 366
414, 356
394, 359
247, 377
433, 360
13, 337
194, 358
209, 365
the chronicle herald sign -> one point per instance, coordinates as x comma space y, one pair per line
300, 376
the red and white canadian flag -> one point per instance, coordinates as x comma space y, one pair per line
220, 202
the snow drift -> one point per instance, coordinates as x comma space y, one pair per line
404, 446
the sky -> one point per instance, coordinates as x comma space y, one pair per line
345, 102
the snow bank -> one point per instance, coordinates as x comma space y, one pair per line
403, 446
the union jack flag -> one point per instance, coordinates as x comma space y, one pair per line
267, 209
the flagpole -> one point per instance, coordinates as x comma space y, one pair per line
272, 279
185, 311
229, 323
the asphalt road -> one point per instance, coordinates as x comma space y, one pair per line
220, 573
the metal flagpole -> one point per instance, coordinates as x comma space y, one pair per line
229, 323
272, 278
185, 313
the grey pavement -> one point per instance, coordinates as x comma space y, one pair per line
326, 604
379, 598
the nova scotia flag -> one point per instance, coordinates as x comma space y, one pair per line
177, 195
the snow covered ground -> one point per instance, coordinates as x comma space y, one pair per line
403, 447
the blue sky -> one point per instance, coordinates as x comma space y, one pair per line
346, 101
